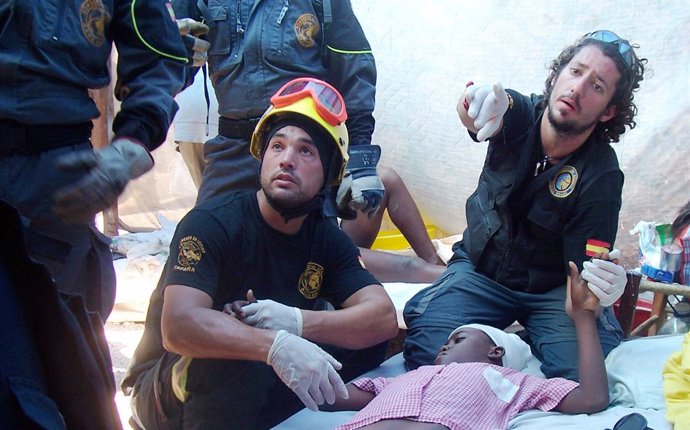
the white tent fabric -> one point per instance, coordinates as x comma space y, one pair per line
427, 51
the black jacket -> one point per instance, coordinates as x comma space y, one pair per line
522, 230
55, 368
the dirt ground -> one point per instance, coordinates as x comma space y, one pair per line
123, 338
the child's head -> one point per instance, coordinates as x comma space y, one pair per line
484, 344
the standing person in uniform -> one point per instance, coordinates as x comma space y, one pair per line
51, 54
258, 46
549, 193
252, 371
193, 124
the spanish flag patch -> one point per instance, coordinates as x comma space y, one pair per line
595, 247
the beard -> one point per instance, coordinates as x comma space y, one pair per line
282, 198
569, 128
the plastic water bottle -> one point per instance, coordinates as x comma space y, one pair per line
680, 319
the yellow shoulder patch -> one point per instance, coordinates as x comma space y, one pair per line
189, 253
306, 28
94, 19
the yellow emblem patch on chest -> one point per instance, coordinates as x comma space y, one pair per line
306, 28
311, 280
189, 254
563, 183
94, 19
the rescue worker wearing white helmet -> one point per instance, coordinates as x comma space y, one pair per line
252, 366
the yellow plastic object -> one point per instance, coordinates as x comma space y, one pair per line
393, 240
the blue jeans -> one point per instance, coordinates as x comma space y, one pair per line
463, 296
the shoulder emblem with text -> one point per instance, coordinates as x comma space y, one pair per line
94, 19
562, 184
306, 28
189, 254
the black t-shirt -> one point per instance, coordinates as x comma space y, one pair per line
224, 247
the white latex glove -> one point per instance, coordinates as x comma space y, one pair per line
306, 369
487, 105
272, 315
109, 171
605, 279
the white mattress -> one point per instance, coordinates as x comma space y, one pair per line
635, 385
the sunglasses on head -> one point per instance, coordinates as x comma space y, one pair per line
624, 49
329, 103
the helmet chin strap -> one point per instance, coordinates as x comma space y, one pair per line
316, 203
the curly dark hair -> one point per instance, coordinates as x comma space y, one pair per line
628, 84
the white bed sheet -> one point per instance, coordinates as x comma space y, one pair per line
635, 385
400, 293
634, 368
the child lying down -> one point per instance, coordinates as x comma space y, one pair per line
476, 382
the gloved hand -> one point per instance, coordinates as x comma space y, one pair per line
606, 279
306, 369
197, 49
486, 105
361, 188
109, 171
272, 315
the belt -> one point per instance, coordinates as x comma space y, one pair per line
237, 128
19, 138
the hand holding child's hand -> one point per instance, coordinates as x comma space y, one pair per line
605, 277
235, 308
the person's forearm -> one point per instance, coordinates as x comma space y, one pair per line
592, 395
356, 401
389, 267
207, 333
593, 380
358, 325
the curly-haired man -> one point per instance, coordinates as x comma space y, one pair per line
549, 193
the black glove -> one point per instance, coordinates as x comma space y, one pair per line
109, 171
361, 188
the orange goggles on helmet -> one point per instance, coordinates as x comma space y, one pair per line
329, 103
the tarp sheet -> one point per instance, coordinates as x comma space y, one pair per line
427, 51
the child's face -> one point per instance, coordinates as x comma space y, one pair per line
465, 346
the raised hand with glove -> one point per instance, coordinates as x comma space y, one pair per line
485, 105
361, 187
306, 369
269, 314
197, 48
109, 171
606, 279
